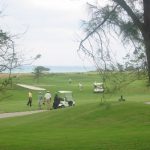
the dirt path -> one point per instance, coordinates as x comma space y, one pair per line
14, 114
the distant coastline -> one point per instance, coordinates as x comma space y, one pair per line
55, 69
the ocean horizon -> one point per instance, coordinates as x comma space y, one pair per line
55, 69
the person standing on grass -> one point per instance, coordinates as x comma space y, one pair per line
80, 86
40, 99
70, 81
47, 99
56, 101
29, 99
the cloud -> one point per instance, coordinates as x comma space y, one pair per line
51, 27
59, 5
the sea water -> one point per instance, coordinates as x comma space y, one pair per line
55, 69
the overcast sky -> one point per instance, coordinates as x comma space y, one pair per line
51, 28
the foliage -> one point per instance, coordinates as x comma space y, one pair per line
39, 71
122, 20
8, 56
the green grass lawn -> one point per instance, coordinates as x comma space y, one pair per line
89, 125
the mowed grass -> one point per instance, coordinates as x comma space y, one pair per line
114, 126
89, 125
15, 99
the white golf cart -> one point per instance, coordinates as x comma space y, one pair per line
98, 87
65, 99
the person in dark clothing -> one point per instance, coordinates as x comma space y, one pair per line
56, 101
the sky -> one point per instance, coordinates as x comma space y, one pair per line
47, 27
51, 28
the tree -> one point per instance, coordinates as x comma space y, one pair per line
128, 20
8, 56
7, 52
39, 71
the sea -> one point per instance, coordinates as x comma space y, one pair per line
55, 69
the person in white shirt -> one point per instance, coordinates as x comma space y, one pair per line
80, 86
47, 99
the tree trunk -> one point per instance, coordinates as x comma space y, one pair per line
146, 32
147, 48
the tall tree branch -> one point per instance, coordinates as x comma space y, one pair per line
128, 10
95, 29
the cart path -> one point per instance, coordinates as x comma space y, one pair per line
14, 114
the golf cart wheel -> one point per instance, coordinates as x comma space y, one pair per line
70, 103
62, 106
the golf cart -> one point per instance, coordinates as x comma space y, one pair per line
63, 99
98, 87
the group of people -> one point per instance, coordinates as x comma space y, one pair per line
42, 99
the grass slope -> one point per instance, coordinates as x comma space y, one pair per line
118, 126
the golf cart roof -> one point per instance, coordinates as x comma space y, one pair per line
31, 87
96, 83
64, 92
